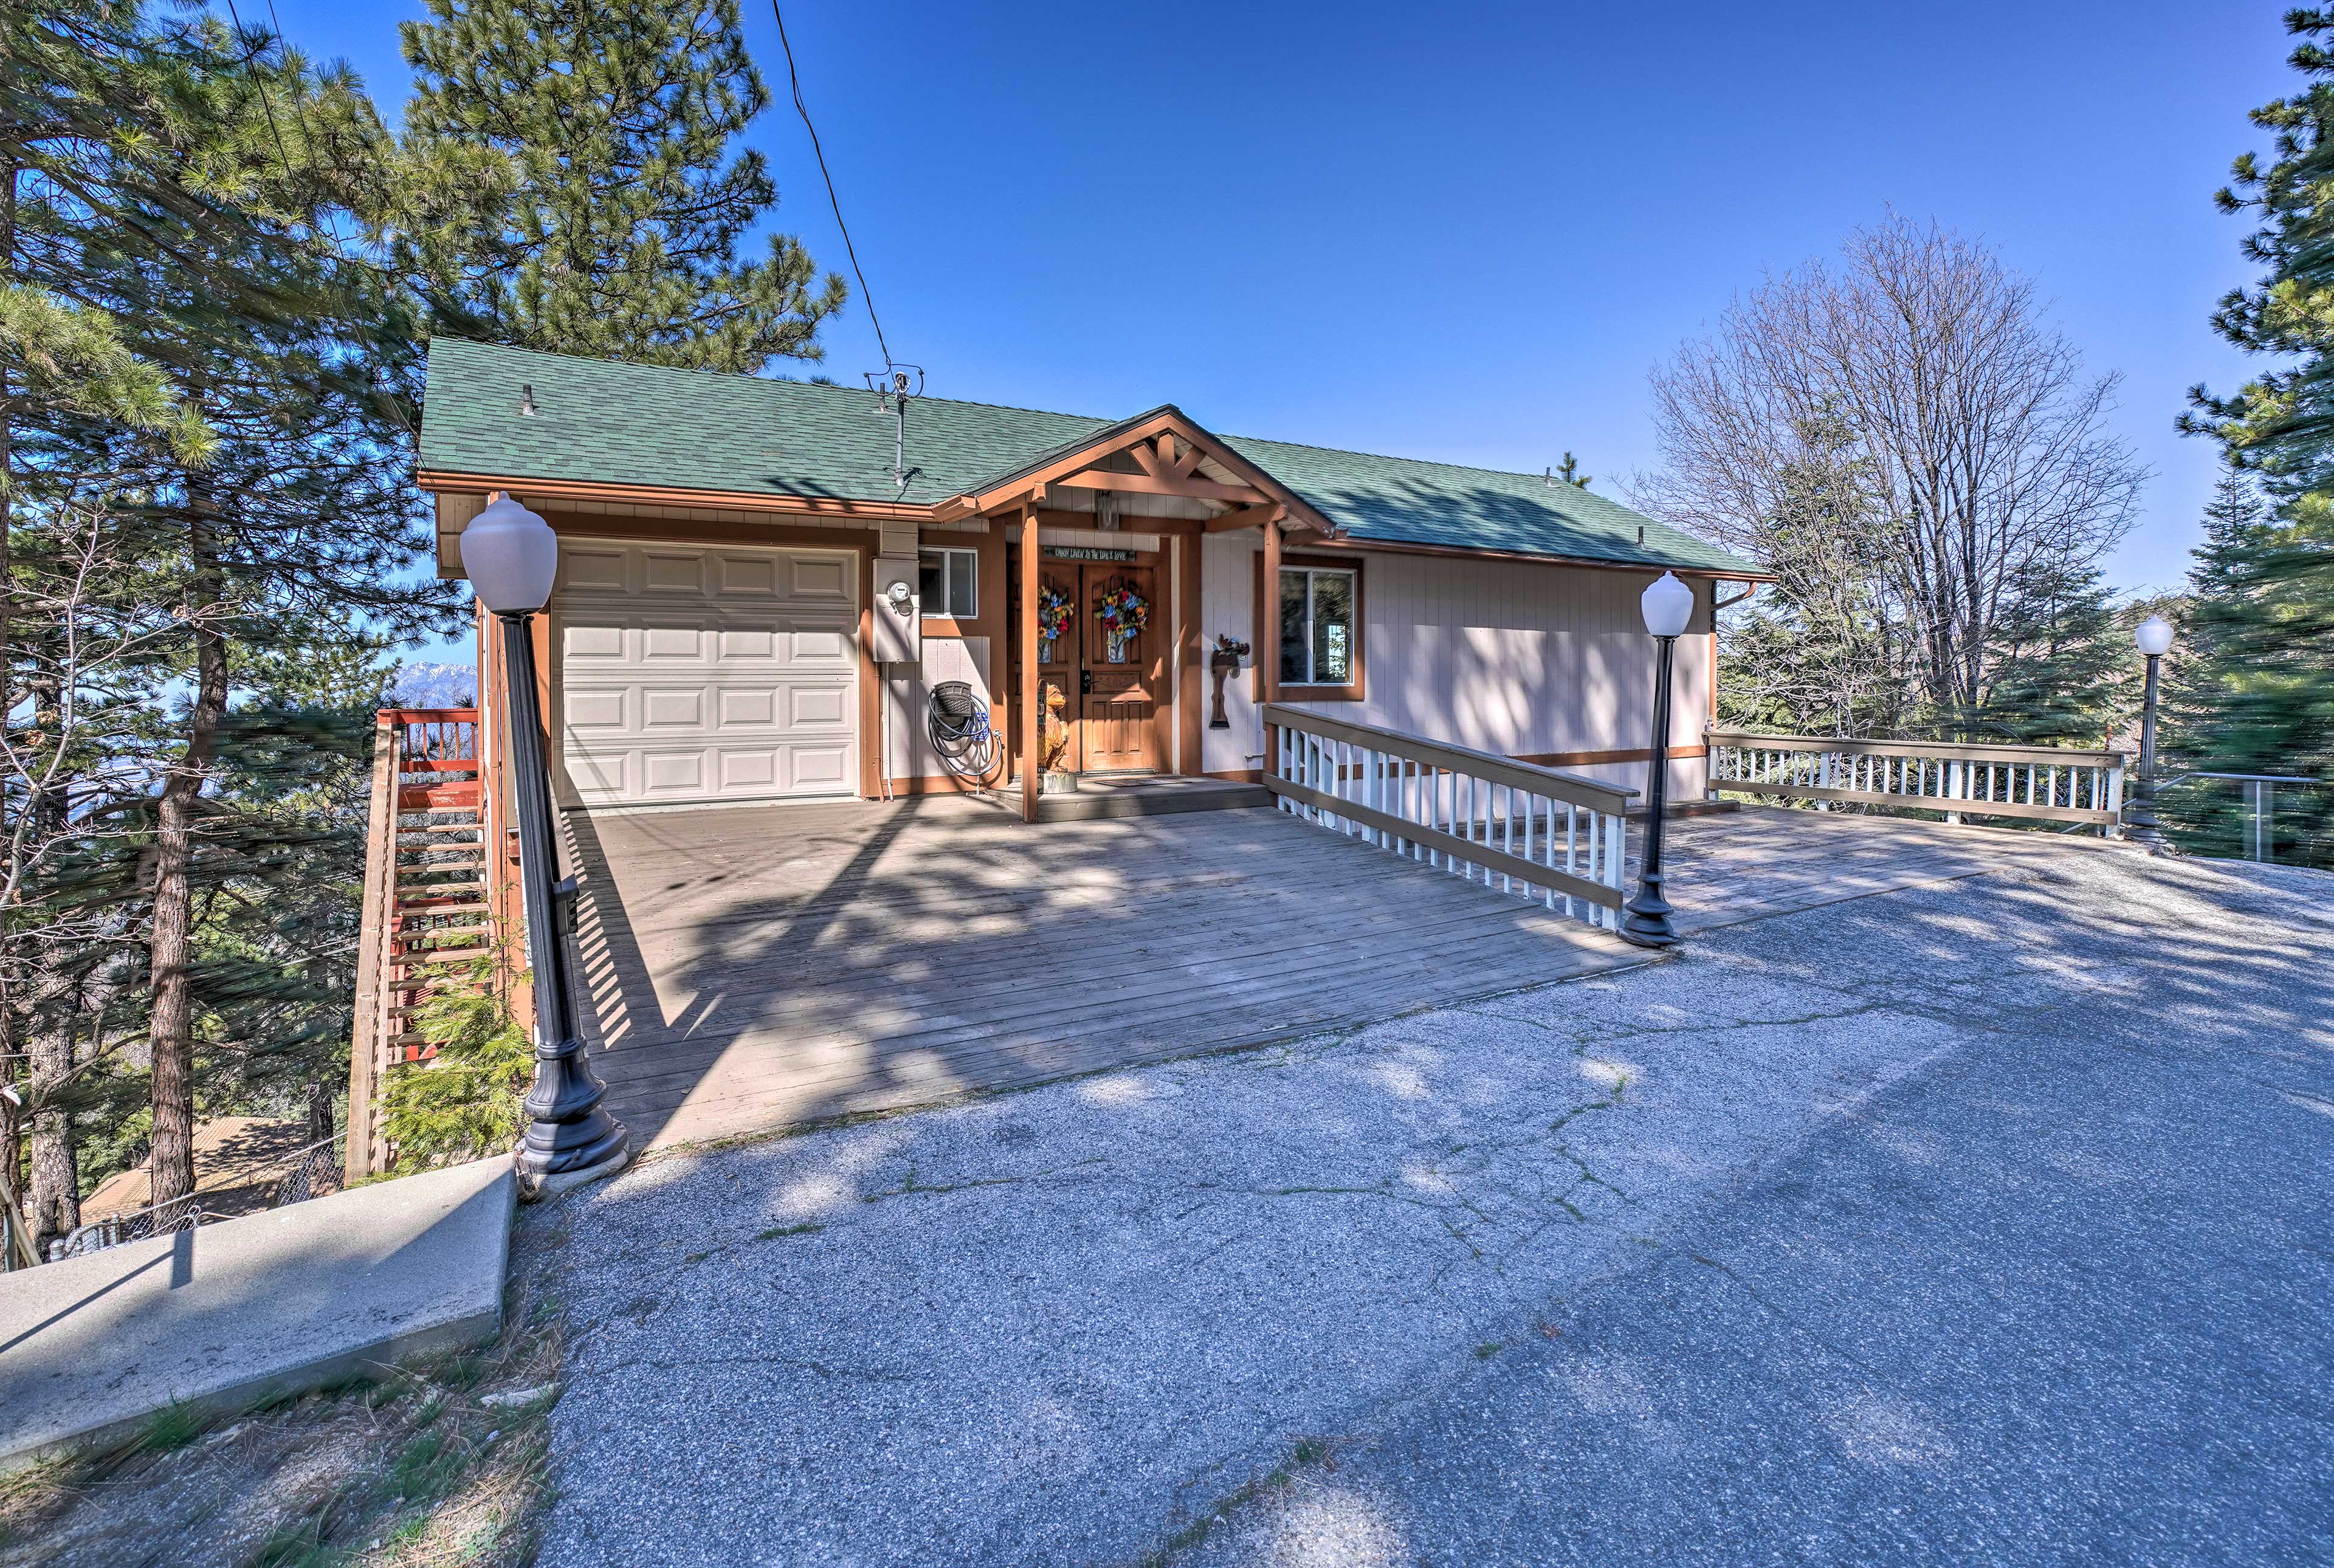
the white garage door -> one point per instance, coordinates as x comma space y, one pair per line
707, 673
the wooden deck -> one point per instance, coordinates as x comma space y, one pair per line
752, 968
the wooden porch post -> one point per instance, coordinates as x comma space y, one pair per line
1267, 641
1027, 633
1190, 655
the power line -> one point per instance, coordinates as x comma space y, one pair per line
299, 105
265, 102
804, 109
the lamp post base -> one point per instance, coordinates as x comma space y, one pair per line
1646, 922
2140, 825
534, 1186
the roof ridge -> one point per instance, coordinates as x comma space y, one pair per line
1422, 462
770, 380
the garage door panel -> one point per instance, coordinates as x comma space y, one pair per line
740, 644
604, 710
818, 770
718, 674
600, 775
749, 576
673, 572
750, 770
817, 577
815, 647
595, 642
674, 773
744, 708
675, 644
585, 567
669, 707
817, 706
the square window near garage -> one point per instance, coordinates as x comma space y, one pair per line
948, 583
1320, 626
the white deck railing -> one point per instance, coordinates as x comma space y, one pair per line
2044, 783
1525, 829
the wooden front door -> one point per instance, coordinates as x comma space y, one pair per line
1058, 660
1119, 695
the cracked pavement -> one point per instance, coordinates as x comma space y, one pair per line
1985, 1221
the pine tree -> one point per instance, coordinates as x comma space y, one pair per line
568, 185
2258, 692
2253, 688
2282, 422
298, 527
255, 489
1820, 652
83, 87
2058, 673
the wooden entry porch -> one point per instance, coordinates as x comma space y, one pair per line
755, 968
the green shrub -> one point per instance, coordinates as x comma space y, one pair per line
467, 1101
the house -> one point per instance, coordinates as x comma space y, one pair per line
762, 582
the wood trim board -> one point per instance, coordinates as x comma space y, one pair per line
1489, 767
1920, 803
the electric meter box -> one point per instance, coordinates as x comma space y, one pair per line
899, 611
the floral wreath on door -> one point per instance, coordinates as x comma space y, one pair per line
1122, 612
1052, 620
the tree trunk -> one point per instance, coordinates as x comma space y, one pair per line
9, 1179
55, 1207
12, 1185
48, 1022
171, 1031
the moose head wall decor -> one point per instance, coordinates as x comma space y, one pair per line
1225, 661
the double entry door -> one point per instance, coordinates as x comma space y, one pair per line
1111, 687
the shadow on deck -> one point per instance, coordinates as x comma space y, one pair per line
755, 968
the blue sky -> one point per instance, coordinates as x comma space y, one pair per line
1467, 232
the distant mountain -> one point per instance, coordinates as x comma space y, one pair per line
428, 684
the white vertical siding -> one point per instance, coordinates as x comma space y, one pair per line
908, 693
1504, 656
1227, 593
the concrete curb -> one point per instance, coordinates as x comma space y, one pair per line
233, 1314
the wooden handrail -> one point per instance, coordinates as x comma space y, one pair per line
1572, 788
1553, 837
2078, 788
430, 715
1936, 751
370, 1012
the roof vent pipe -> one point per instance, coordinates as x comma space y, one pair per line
526, 398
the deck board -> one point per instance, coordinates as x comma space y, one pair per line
752, 968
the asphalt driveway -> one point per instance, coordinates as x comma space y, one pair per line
1986, 1222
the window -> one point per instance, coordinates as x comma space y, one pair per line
1319, 636
948, 583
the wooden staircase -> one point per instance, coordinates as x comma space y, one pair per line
428, 896
437, 899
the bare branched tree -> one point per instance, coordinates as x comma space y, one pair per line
1961, 448
87, 639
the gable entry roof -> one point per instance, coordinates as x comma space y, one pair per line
599, 422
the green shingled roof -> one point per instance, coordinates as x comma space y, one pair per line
601, 421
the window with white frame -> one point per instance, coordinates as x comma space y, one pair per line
949, 582
1319, 628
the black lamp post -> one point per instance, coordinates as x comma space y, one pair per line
1667, 606
2154, 636
512, 556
